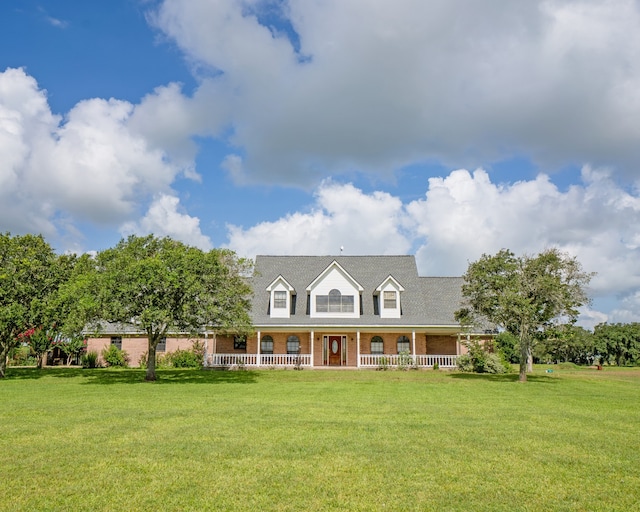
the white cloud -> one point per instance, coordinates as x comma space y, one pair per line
90, 165
377, 84
342, 216
464, 215
164, 219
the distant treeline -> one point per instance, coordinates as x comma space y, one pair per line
611, 344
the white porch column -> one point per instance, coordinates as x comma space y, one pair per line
312, 335
206, 349
413, 344
358, 348
258, 350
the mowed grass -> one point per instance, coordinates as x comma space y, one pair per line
103, 439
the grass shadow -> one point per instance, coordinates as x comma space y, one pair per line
33, 373
504, 377
106, 376
110, 376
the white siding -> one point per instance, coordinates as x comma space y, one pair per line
335, 279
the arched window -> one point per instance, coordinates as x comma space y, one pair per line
403, 344
266, 345
377, 345
293, 345
335, 302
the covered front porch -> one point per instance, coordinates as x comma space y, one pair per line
358, 348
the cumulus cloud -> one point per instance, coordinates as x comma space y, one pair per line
465, 215
342, 216
164, 219
374, 85
93, 164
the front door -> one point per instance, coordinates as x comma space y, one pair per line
335, 350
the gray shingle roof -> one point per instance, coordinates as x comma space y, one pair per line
426, 301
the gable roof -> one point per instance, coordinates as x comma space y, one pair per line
335, 265
425, 301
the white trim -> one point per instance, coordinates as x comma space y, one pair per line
332, 265
284, 281
312, 335
383, 285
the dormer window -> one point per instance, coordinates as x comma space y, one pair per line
334, 294
389, 300
335, 302
388, 297
280, 299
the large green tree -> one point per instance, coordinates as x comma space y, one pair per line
28, 277
619, 343
161, 285
524, 295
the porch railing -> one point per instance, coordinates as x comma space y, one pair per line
366, 360
422, 360
226, 360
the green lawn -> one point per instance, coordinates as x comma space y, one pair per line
74, 439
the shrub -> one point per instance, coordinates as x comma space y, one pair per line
436, 366
21, 356
383, 364
405, 361
89, 360
465, 364
198, 349
479, 360
184, 359
113, 356
509, 346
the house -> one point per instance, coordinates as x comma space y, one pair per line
333, 311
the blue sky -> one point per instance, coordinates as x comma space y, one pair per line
440, 129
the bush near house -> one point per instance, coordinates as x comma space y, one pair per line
479, 360
180, 358
113, 356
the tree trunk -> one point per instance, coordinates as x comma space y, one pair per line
525, 352
4, 355
151, 361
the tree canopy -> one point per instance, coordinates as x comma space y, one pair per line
29, 276
619, 343
524, 295
161, 285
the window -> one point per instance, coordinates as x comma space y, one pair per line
377, 345
266, 345
390, 300
403, 344
239, 343
162, 345
335, 302
293, 345
279, 300
117, 341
